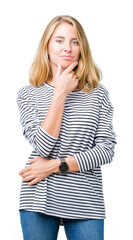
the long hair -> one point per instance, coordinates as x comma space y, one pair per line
86, 72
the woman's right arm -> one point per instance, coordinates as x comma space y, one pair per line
64, 83
43, 137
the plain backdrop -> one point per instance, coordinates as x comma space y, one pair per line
108, 26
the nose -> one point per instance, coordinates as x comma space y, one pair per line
67, 46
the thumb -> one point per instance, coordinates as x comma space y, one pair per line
58, 70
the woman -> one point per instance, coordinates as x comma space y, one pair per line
67, 117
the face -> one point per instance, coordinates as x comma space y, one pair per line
63, 46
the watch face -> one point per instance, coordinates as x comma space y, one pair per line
63, 168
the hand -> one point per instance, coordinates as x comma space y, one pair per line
66, 81
39, 169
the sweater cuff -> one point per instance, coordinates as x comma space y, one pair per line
45, 142
79, 160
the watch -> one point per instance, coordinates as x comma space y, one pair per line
63, 166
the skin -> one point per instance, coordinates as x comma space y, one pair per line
63, 48
64, 52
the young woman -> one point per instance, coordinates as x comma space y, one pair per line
67, 117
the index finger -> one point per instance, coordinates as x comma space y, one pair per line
24, 170
71, 67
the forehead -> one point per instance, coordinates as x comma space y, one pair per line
64, 29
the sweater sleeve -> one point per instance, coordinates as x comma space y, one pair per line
41, 141
102, 151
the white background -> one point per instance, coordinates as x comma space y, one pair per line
108, 25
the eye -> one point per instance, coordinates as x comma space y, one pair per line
59, 41
75, 43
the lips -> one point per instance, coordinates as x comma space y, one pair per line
67, 56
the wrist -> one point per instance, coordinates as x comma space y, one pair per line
59, 96
57, 164
72, 163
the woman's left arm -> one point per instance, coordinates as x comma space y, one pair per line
41, 168
101, 153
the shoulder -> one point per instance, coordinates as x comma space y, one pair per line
26, 92
27, 89
101, 90
102, 94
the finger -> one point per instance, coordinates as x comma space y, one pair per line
24, 170
72, 74
71, 67
34, 181
21, 172
33, 160
24, 175
75, 78
29, 178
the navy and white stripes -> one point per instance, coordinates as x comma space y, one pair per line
86, 133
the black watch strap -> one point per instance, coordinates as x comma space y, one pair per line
63, 160
63, 166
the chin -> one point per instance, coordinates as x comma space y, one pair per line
66, 65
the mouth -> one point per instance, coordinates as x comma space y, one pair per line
67, 57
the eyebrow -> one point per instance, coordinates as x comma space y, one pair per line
64, 37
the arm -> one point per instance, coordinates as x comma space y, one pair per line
43, 136
41, 141
105, 139
41, 168
101, 153
64, 83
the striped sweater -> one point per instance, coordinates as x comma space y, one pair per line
86, 133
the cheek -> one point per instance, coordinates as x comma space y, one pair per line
77, 53
53, 51
51, 48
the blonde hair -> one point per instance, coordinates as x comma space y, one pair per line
87, 72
